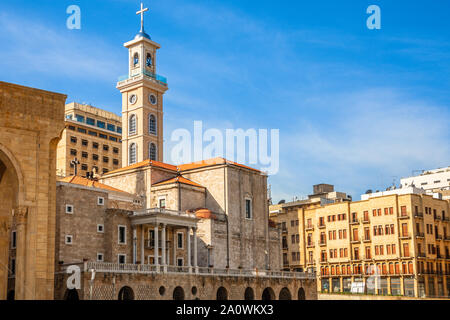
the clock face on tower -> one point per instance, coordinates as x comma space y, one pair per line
152, 99
133, 99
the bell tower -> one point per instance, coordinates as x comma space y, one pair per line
142, 101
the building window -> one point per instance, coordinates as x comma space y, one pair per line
101, 124
99, 257
92, 133
132, 125
103, 136
162, 203
100, 201
84, 167
84, 155
12, 268
119, 129
152, 152
248, 209
69, 208
90, 121
116, 162
95, 157
105, 171
73, 152
132, 159
69, 239
152, 124
84, 143
135, 59
122, 258
180, 244
81, 130
79, 118
72, 128
105, 147
95, 145
105, 159
111, 127
13, 239
122, 234
116, 150
112, 138
100, 228
149, 60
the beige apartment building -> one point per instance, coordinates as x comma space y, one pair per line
93, 137
394, 244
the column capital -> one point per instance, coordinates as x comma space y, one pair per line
21, 215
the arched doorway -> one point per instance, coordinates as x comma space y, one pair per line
301, 294
9, 199
285, 294
249, 294
268, 294
11, 295
71, 295
126, 294
178, 293
222, 294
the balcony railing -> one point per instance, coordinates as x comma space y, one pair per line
403, 216
405, 236
447, 238
322, 243
366, 220
154, 211
446, 219
310, 245
309, 228
421, 255
438, 217
160, 79
321, 225
418, 215
420, 235
354, 221
366, 240
152, 269
354, 241
311, 262
438, 237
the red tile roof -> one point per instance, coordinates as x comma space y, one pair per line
89, 183
182, 167
179, 179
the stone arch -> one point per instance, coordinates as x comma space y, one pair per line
301, 294
285, 294
126, 294
178, 293
11, 184
268, 294
249, 294
71, 295
222, 294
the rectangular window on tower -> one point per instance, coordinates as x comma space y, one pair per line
248, 209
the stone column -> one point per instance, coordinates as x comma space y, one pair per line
156, 249
142, 245
163, 248
134, 245
4, 256
195, 250
21, 215
174, 248
188, 243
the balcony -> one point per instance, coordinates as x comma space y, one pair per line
356, 259
418, 215
438, 237
285, 247
284, 230
323, 260
354, 222
311, 262
420, 235
421, 255
368, 258
405, 236
446, 219
437, 218
145, 74
365, 240
310, 245
309, 228
322, 243
355, 241
447, 238
366, 221
403, 216
321, 226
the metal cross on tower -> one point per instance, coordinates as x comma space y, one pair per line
75, 163
141, 12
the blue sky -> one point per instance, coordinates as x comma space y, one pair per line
355, 107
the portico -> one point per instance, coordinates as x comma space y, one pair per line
162, 239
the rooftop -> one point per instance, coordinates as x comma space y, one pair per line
81, 181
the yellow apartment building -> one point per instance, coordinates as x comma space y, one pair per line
92, 136
391, 243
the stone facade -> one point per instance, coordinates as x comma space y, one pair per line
410, 250
110, 286
30, 128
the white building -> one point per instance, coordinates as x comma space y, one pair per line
429, 180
